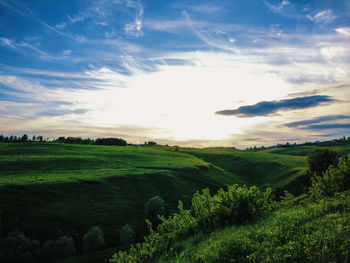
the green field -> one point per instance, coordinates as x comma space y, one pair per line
48, 189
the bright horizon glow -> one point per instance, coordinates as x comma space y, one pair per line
147, 77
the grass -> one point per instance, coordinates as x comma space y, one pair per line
310, 232
47, 189
255, 168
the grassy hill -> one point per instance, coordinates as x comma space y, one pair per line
48, 189
256, 168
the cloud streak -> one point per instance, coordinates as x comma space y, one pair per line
267, 108
307, 123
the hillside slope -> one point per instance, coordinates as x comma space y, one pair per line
256, 168
47, 190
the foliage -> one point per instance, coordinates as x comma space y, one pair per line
127, 235
318, 160
153, 207
309, 232
93, 240
18, 248
110, 141
51, 251
333, 180
237, 205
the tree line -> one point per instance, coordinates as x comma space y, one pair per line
23, 138
98, 141
62, 139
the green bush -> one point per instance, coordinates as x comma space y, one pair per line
127, 235
318, 160
333, 180
237, 205
93, 240
16, 247
51, 251
153, 207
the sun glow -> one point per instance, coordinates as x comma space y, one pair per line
181, 100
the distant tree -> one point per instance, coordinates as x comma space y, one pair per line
2, 138
318, 160
151, 143
93, 240
24, 138
127, 235
16, 247
64, 247
33, 138
153, 207
47, 253
110, 141
40, 138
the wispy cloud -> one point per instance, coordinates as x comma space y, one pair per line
317, 120
278, 8
135, 28
323, 17
343, 30
25, 47
212, 42
206, 8
328, 126
267, 108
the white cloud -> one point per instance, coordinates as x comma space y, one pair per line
135, 28
323, 17
66, 52
343, 30
61, 25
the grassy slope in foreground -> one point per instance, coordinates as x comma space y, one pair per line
47, 189
310, 232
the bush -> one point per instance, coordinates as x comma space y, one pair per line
153, 207
51, 251
237, 205
318, 160
127, 235
93, 240
334, 180
18, 248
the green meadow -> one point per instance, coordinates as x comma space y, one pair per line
48, 190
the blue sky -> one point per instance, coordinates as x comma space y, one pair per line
191, 73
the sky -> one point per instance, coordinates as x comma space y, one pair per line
191, 73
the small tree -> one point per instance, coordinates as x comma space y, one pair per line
93, 240
153, 207
64, 247
51, 251
16, 247
24, 138
318, 160
335, 179
127, 235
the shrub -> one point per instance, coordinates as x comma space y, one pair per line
318, 160
93, 240
127, 235
235, 206
64, 247
333, 180
51, 251
153, 207
16, 247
